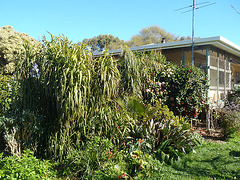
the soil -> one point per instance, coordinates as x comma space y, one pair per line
213, 135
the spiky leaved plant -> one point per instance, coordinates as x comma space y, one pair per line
71, 89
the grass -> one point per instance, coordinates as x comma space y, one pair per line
212, 160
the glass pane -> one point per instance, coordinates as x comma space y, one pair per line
221, 78
213, 77
221, 63
227, 80
200, 58
213, 61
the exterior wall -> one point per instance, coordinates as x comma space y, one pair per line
188, 57
173, 55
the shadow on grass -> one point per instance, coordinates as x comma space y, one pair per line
217, 167
235, 154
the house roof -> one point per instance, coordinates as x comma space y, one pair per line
217, 41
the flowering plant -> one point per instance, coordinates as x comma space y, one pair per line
182, 89
187, 91
157, 82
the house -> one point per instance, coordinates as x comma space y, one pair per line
218, 56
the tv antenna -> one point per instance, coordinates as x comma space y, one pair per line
194, 7
235, 9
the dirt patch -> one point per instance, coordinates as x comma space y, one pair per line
213, 135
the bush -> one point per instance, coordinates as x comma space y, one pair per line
166, 136
171, 134
22, 130
187, 91
8, 92
101, 159
230, 122
182, 89
234, 95
27, 167
156, 87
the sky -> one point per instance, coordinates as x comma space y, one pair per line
80, 19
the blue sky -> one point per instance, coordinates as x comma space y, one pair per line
79, 19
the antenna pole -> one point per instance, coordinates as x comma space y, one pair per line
194, 6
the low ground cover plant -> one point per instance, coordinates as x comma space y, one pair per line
26, 167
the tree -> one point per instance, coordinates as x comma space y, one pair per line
11, 43
100, 42
153, 34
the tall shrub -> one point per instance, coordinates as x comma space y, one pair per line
187, 91
133, 69
159, 73
183, 89
72, 90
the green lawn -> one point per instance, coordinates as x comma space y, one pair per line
212, 160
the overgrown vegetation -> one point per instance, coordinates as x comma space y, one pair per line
100, 117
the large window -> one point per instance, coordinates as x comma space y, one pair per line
220, 73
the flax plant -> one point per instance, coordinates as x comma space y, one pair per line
73, 91
130, 68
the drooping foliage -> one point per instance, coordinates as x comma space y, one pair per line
71, 89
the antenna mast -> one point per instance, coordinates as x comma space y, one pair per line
194, 7
235, 9
193, 18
